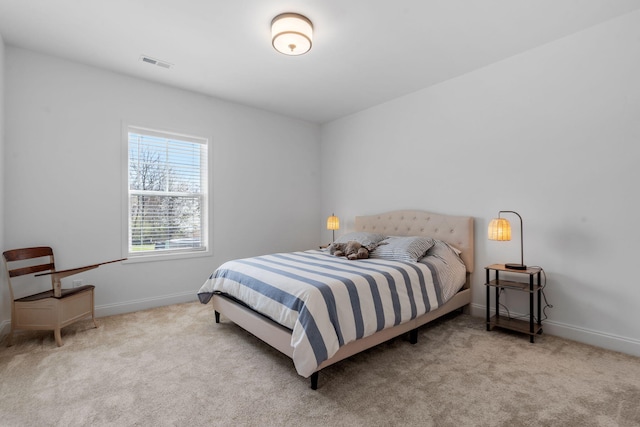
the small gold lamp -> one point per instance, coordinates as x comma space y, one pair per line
500, 229
333, 224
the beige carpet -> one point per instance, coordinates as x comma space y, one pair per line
173, 366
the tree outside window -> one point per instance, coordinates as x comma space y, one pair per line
167, 192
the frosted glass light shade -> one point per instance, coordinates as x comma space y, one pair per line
291, 34
499, 229
333, 223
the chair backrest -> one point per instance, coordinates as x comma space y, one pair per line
26, 254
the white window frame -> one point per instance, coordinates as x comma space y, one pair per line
205, 170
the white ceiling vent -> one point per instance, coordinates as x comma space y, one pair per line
152, 61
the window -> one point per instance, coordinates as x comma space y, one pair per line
167, 193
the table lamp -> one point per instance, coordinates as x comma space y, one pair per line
333, 224
500, 229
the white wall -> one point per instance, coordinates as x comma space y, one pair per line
63, 149
4, 291
553, 133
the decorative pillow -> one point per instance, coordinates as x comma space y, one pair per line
410, 248
368, 240
454, 249
448, 265
444, 251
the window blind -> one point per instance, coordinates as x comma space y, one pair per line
167, 191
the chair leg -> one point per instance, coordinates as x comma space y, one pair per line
58, 336
10, 337
93, 311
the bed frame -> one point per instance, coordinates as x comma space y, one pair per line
455, 230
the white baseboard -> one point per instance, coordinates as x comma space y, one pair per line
583, 335
144, 304
127, 306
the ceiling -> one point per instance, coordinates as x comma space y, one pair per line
365, 52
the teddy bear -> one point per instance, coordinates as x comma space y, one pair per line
352, 250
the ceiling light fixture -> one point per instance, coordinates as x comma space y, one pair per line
291, 34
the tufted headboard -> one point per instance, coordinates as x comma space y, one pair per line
455, 230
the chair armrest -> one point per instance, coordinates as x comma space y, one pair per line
61, 274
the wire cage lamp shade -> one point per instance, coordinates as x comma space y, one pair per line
500, 230
333, 224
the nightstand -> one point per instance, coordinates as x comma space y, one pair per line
533, 287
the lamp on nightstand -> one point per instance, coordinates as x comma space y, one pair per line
500, 229
333, 224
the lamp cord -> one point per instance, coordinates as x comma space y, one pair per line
544, 297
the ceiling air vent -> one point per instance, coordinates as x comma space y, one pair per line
157, 62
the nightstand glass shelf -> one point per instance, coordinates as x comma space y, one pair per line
533, 288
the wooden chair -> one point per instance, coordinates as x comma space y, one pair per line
50, 310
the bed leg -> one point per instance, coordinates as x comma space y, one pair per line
314, 381
413, 336
217, 316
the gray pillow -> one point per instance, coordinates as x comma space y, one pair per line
410, 248
368, 240
444, 251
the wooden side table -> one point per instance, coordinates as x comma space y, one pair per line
533, 287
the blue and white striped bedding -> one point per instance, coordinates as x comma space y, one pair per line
329, 301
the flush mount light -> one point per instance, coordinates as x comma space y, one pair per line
291, 33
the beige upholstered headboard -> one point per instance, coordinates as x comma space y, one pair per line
455, 230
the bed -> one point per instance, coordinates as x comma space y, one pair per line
318, 327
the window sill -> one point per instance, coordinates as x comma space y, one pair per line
133, 258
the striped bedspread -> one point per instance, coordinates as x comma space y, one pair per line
328, 301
